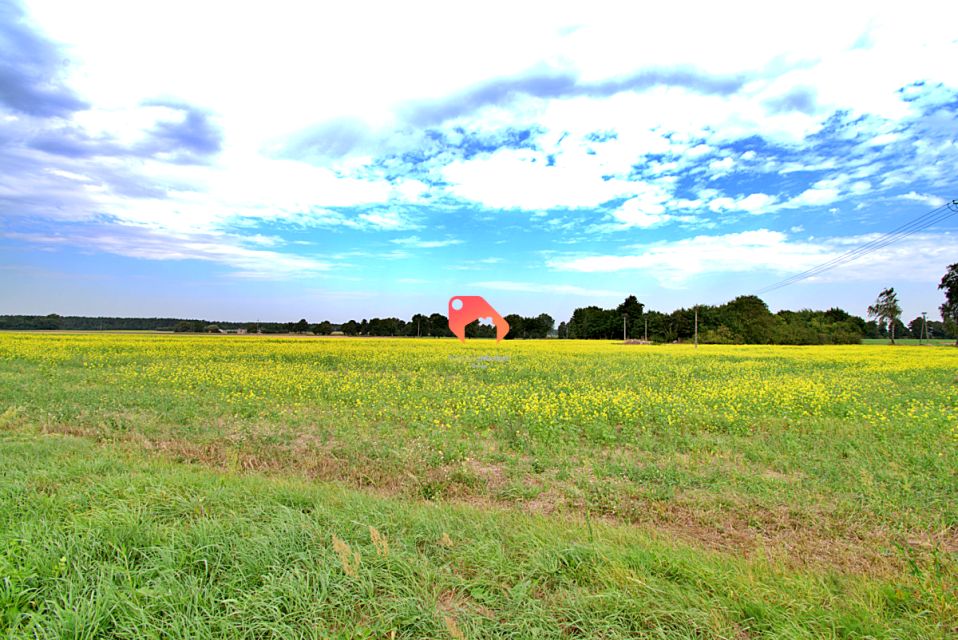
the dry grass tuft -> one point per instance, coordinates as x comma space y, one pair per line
380, 542
350, 559
453, 628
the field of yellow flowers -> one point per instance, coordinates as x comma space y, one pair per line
544, 391
623, 431
825, 458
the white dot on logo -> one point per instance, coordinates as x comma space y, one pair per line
457, 304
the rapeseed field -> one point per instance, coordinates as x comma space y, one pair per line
789, 476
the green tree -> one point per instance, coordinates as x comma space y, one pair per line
418, 325
595, 323
516, 326
632, 309
748, 319
438, 326
324, 328
949, 284
887, 311
544, 325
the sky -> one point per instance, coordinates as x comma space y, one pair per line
272, 161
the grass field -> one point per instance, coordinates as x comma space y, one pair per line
935, 342
216, 486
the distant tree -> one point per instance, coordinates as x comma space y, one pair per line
212, 328
323, 328
516, 327
438, 326
476, 330
350, 328
901, 329
595, 323
544, 324
632, 309
837, 315
52, 321
418, 325
183, 326
748, 319
949, 284
385, 327
302, 326
887, 311
916, 326
563, 331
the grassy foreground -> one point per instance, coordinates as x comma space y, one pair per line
584, 489
102, 544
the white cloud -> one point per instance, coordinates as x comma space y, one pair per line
542, 288
674, 263
152, 245
419, 243
813, 197
924, 198
756, 202
646, 209
264, 95
387, 220
522, 179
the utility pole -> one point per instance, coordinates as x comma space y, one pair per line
924, 326
624, 316
646, 329
696, 327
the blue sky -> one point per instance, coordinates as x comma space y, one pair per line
283, 160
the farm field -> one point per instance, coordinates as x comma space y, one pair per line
213, 486
936, 342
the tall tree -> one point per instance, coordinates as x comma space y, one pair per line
418, 326
324, 328
545, 324
887, 311
632, 309
438, 325
949, 284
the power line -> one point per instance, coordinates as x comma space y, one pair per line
920, 223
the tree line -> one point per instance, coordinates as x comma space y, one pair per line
744, 320
437, 325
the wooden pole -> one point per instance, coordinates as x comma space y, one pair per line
696, 327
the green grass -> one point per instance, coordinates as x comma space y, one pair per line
712, 492
937, 342
99, 544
